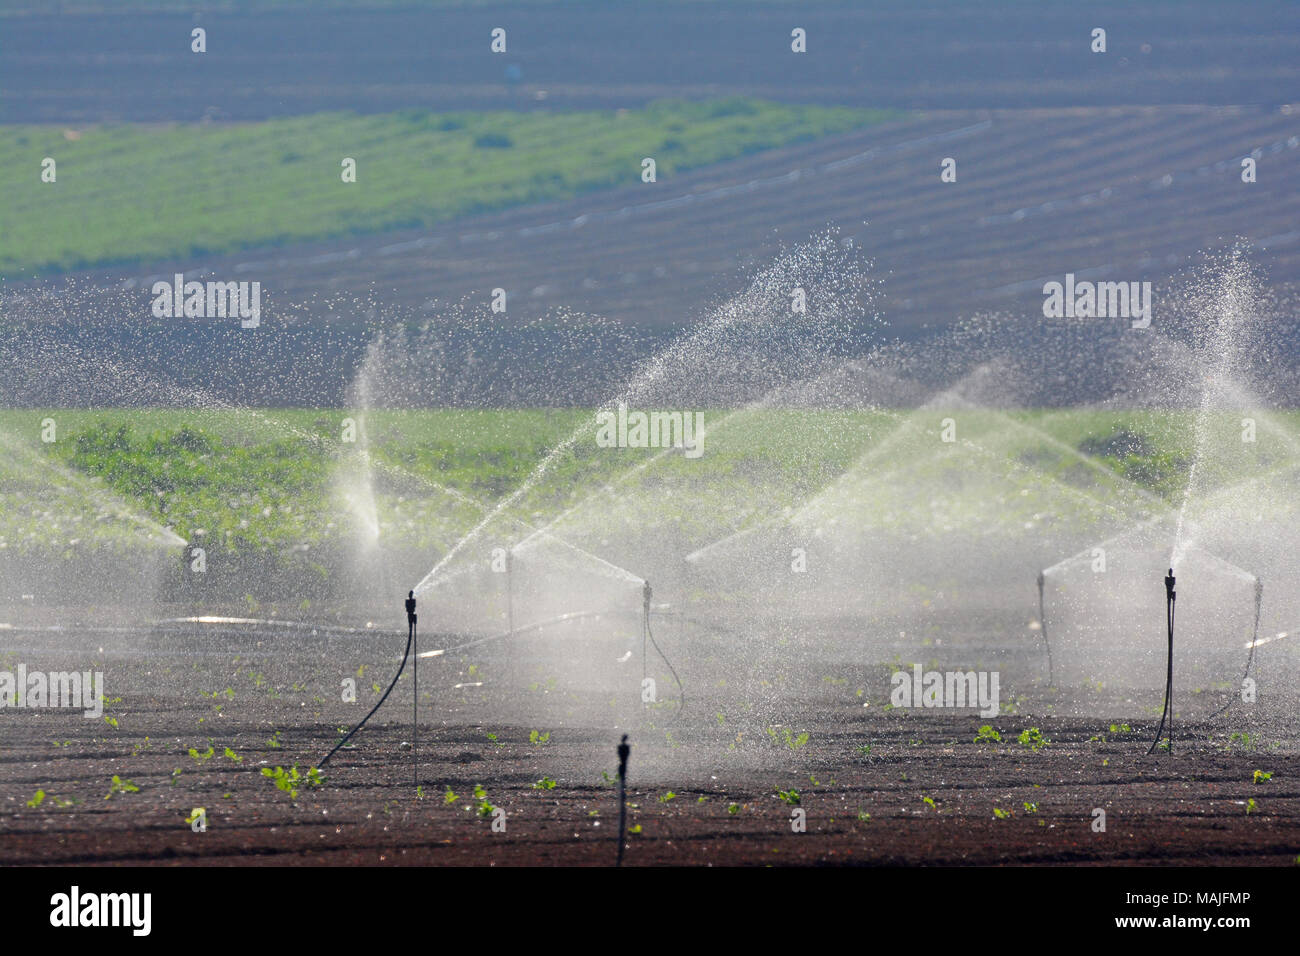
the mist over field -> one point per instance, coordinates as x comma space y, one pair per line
883, 419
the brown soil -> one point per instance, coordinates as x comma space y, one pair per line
722, 764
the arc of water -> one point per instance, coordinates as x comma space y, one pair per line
981, 449
871, 453
1109, 473
1169, 514
608, 487
881, 477
1088, 551
654, 371
1020, 466
1228, 305
78, 487
212, 402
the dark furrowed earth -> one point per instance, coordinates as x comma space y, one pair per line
931, 55
1125, 165
1163, 187
200, 713
660, 254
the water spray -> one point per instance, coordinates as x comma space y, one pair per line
410, 640
1042, 626
1171, 596
623, 751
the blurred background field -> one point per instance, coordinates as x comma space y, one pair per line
138, 192
268, 481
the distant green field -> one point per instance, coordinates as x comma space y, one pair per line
126, 193
275, 480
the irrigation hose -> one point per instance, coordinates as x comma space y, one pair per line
1042, 627
410, 637
1168, 709
681, 691
1250, 656
415, 705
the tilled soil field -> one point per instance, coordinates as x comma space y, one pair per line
933, 54
720, 782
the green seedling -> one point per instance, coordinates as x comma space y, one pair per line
118, 785
546, 783
987, 735
789, 796
290, 780
1033, 739
1260, 776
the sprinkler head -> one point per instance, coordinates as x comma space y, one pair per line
1042, 579
410, 607
1259, 590
623, 751
645, 595
1169, 584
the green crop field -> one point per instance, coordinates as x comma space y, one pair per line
132, 192
277, 481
